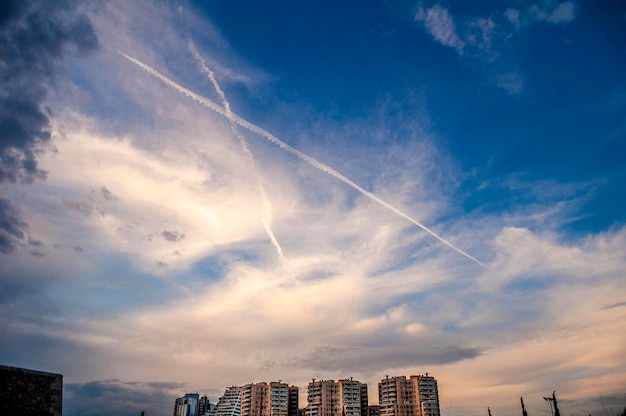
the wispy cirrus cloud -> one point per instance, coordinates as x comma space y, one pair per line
547, 11
155, 212
474, 37
474, 40
440, 25
511, 82
483, 38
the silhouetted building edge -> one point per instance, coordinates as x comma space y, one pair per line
25, 392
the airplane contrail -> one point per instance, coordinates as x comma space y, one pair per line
266, 206
275, 140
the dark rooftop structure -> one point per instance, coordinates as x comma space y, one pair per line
29, 392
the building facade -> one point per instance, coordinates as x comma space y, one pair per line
269, 399
373, 410
364, 400
415, 396
189, 405
25, 392
341, 398
294, 401
204, 406
229, 404
428, 395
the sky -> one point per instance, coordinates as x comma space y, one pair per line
201, 194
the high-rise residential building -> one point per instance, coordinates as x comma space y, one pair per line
269, 399
364, 400
350, 397
321, 395
428, 395
415, 396
229, 404
180, 407
188, 405
294, 401
204, 406
342, 398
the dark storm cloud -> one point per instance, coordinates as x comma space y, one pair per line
34, 37
364, 359
12, 228
173, 235
107, 397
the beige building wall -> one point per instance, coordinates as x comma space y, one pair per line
268, 399
427, 394
341, 398
416, 396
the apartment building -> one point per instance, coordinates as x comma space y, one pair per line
229, 404
187, 405
428, 395
346, 397
415, 396
269, 399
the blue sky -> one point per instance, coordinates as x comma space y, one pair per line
195, 195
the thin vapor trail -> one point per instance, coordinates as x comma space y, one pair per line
324, 168
266, 210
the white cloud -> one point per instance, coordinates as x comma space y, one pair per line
480, 36
359, 284
513, 16
511, 82
523, 255
561, 13
156, 193
441, 26
545, 11
257, 324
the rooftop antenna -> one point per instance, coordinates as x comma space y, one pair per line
604, 411
524, 413
556, 407
549, 400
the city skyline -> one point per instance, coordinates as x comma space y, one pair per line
200, 194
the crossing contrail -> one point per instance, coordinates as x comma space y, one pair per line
275, 140
266, 206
